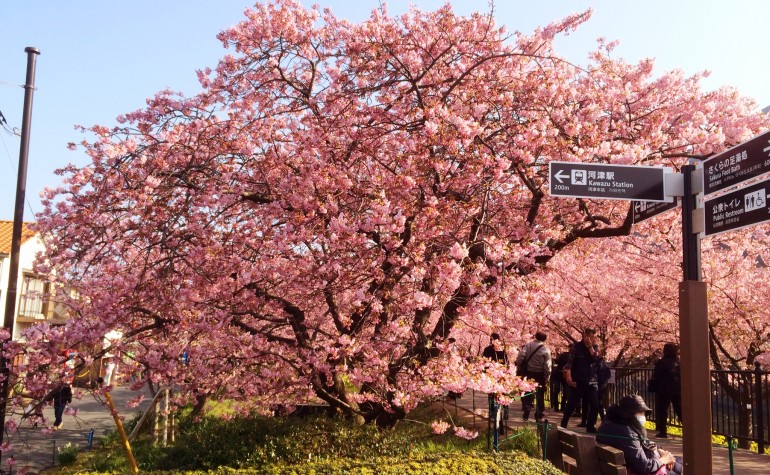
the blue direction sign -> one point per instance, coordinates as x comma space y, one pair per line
647, 209
611, 182
738, 209
738, 164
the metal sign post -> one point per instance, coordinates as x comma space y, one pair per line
693, 334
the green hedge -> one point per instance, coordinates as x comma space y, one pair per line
455, 463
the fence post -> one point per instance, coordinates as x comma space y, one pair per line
759, 408
473, 398
489, 423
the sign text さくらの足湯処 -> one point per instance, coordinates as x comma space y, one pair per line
738, 164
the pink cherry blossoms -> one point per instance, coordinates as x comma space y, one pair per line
342, 199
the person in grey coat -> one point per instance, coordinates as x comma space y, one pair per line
538, 357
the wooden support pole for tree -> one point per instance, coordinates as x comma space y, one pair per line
144, 417
173, 428
165, 418
156, 424
122, 433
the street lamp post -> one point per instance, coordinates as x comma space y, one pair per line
18, 222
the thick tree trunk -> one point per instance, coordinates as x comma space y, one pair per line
375, 412
199, 408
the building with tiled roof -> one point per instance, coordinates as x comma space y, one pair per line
32, 290
6, 232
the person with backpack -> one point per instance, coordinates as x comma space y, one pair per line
534, 362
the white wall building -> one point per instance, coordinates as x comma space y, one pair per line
32, 304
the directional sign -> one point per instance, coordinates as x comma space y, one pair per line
738, 164
647, 209
612, 182
741, 208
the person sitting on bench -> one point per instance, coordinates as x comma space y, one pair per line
624, 430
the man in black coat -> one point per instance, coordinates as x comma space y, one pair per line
666, 381
557, 381
580, 375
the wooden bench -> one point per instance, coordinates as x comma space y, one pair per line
578, 454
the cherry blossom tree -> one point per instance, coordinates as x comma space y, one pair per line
627, 287
342, 198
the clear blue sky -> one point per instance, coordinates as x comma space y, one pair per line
100, 59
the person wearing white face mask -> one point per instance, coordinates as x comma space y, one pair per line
624, 429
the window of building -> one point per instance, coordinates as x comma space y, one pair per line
33, 292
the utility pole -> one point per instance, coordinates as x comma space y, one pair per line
18, 222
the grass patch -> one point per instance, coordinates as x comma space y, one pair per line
319, 445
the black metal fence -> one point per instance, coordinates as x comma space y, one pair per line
740, 401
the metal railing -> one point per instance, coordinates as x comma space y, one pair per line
740, 401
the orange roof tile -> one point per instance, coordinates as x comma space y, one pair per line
6, 234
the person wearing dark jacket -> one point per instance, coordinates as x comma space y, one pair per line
496, 352
61, 396
580, 375
666, 382
624, 430
603, 375
557, 382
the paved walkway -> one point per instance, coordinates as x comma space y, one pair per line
744, 462
36, 451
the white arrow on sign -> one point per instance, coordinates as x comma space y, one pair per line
767, 149
558, 175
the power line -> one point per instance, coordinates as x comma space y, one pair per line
11, 84
13, 167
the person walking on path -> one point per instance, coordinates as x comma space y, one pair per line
61, 396
603, 375
557, 382
666, 383
496, 352
624, 430
580, 374
535, 359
